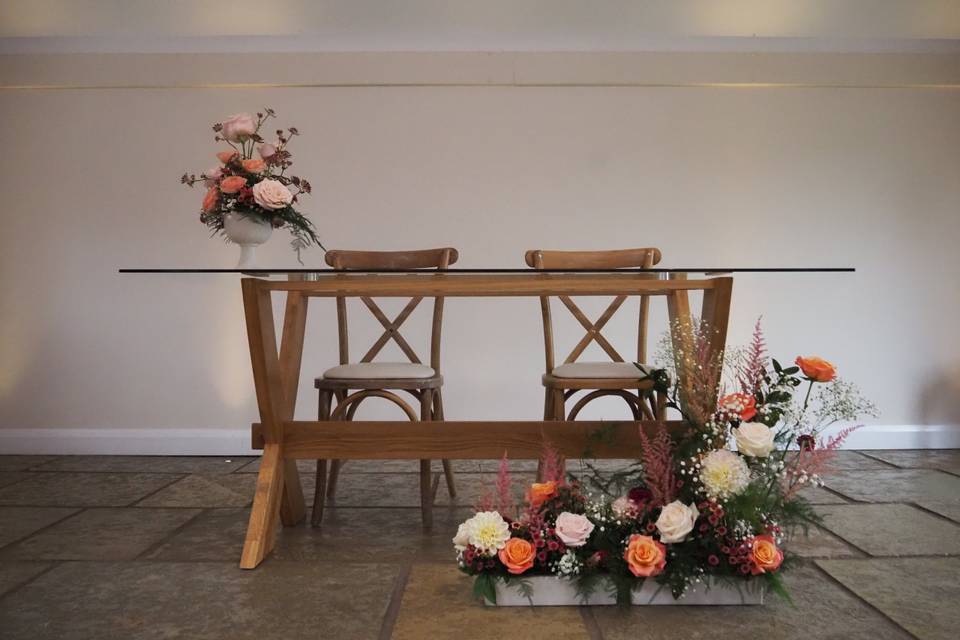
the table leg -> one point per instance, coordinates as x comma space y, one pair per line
262, 527
292, 508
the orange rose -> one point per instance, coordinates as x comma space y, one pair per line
210, 200
742, 403
540, 492
253, 165
645, 556
226, 156
765, 555
517, 555
232, 184
817, 369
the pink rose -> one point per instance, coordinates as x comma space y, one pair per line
212, 174
267, 150
239, 127
272, 194
573, 529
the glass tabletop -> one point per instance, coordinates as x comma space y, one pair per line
488, 270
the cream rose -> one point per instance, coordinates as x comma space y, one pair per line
272, 194
462, 539
267, 150
754, 439
676, 521
573, 529
239, 127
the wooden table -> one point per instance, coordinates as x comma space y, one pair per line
276, 377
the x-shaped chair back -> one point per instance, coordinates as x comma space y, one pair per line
621, 259
371, 260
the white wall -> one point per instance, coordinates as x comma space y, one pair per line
493, 155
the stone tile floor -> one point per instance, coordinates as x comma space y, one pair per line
147, 547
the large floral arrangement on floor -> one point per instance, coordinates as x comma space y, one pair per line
714, 503
251, 179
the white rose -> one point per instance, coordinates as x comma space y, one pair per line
462, 539
267, 150
676, 521
754, 439
573, 529
272, 194
239, 127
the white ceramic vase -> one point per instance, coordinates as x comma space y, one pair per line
248, 232
552, 591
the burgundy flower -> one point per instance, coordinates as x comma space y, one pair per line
542, 556
713, 560
639, 495
806, 442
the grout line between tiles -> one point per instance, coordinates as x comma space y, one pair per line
829, 576
78, 511
170, 535
17, 587
155, 492
396, 598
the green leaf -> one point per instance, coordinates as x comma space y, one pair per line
485, 588
776, 585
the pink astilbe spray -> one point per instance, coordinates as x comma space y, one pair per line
500, 499
813, 461
658, 470
505, 503
753, 367
553, 466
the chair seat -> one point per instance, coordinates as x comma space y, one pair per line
379, 371
605, 370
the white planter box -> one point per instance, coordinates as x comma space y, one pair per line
551, 591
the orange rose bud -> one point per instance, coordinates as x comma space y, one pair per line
232, 184
210, 200
226, 156
540, 492
253, 165
645, 556
817, 369
517, 555
741, 403
765, 555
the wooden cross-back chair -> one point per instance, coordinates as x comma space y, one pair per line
352, 383
617, 377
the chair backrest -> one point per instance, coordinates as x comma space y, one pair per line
644, 258
426, 259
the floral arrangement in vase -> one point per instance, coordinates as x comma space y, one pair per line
249, 192
710, 507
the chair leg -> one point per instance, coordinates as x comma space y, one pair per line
447, 467
319, 491
335, 465
426, 488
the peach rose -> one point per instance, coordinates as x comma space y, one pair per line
540, 492
817, 369
765, 555
239, 127
232, 184
253, 165
517, 555
226, 156
740, 403
645, 556
210, 199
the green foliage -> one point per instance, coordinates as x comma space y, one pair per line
485, 587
